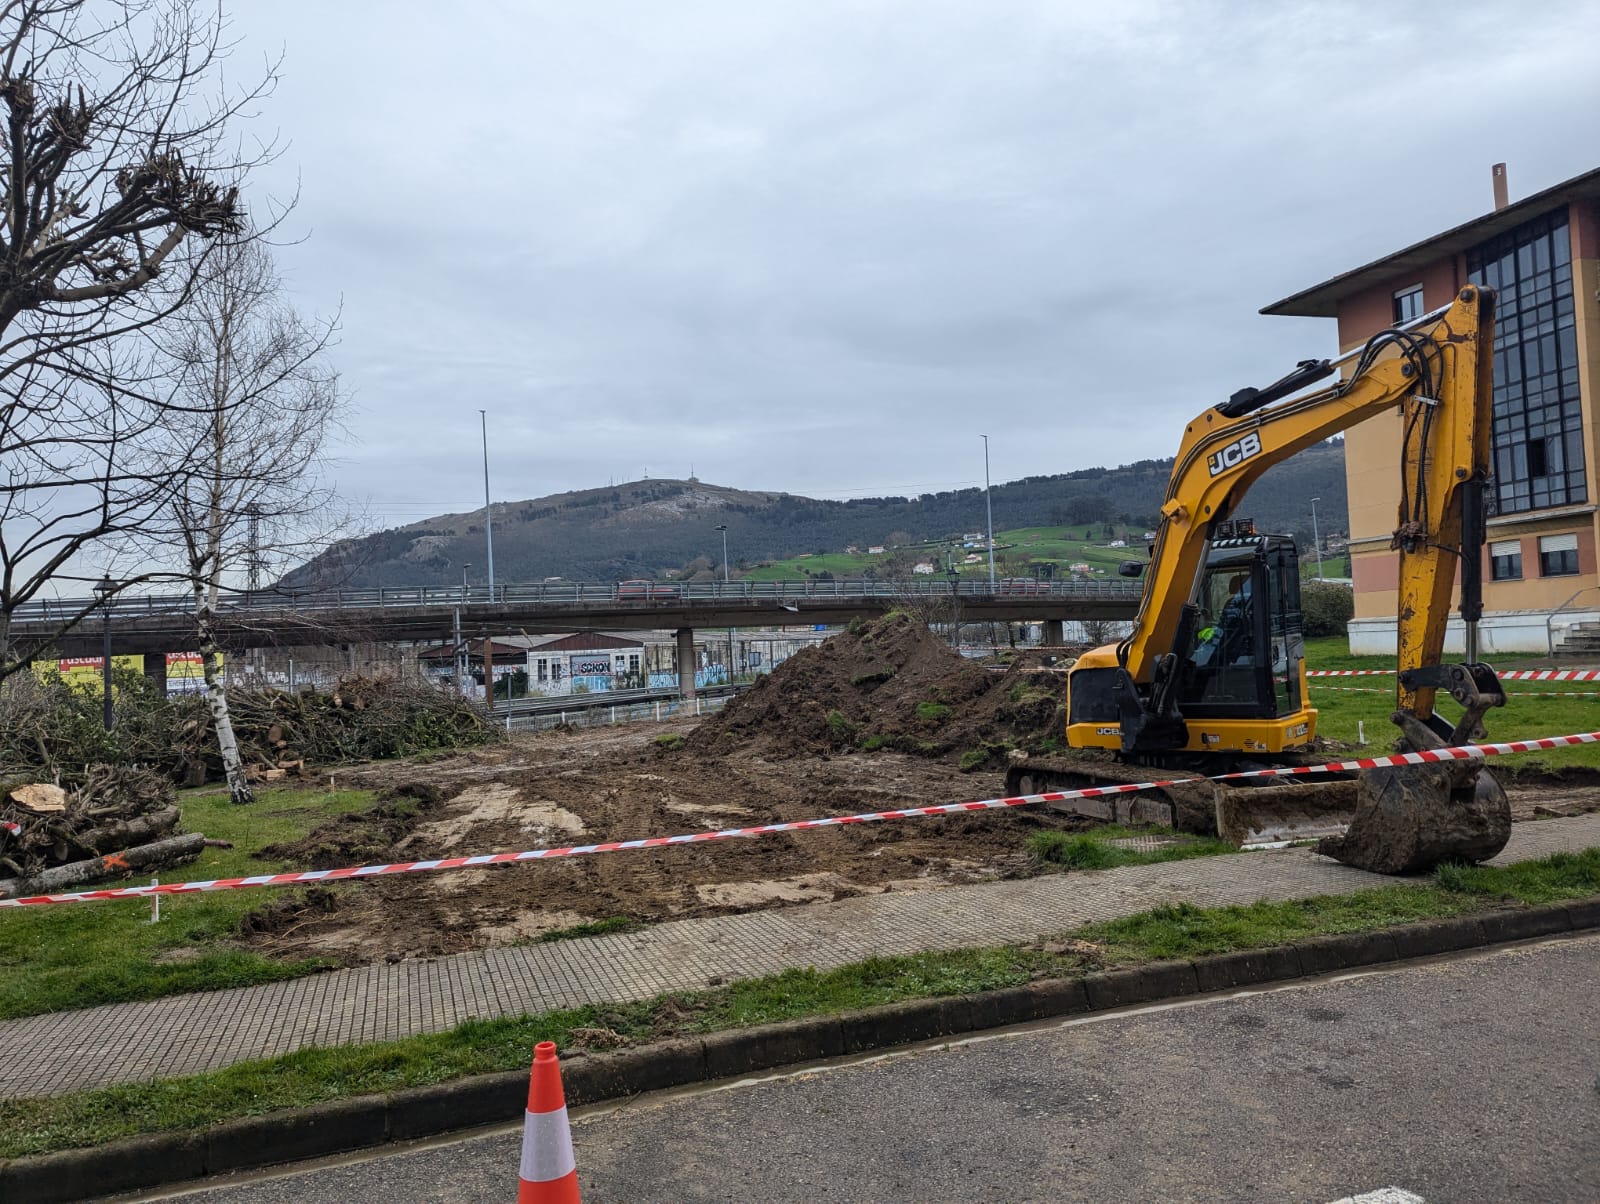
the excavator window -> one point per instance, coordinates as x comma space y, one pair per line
1244, 661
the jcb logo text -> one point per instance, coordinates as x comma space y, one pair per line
1236, 452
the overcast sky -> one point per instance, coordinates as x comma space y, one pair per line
820, 247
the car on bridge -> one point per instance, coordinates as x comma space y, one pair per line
1027, 586
648, 591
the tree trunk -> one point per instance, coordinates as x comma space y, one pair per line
175, 850
217, 698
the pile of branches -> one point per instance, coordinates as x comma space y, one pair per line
114, 819
360, 719
50, 730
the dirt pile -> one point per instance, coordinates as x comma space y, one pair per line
887, 684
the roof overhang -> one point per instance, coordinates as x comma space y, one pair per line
1322, 300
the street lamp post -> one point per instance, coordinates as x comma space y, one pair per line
103, 590
488, 514
1316, 538
723, 527
988, 508
955, 605
460, 667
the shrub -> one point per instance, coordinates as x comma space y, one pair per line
840, 727
932, 712
1326, 607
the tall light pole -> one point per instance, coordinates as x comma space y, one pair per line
103, 590
989, 508
1315, 538
488, 514
459, 659
723, 527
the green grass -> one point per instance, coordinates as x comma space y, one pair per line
76, 956
1093, 850
36, 1125
594, 928
1532, 709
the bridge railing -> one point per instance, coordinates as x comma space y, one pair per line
568, 593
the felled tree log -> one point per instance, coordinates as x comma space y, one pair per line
129, 832
175, 850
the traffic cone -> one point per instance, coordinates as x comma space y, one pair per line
549, 1175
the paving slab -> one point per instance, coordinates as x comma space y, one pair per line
184, 1034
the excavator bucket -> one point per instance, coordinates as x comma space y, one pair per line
1411, 818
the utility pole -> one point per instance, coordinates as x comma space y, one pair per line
1315, 538
460, 656
488, 514
989, 508
723, 527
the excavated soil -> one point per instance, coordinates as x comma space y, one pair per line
874, 719
772, 755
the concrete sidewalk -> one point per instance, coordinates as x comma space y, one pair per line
67, 1051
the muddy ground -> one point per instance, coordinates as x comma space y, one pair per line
878, 719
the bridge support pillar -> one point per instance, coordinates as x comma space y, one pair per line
155, 668
1050, 633
687, 662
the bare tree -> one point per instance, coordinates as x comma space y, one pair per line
257, 393
117, 173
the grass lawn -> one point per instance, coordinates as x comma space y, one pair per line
1532, 709
29, 1126
80, 955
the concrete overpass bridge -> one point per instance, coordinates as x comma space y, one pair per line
148, 623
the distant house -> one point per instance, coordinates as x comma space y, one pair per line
923, 566
972, 558
1117, 543
875, 550
1080, 567
851, 550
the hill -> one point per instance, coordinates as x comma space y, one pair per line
645, 528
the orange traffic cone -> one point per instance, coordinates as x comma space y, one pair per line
549, 1175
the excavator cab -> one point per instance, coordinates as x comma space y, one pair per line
1246, 646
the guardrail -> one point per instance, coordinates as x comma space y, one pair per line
577, 592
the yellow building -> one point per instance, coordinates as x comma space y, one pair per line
1542, 258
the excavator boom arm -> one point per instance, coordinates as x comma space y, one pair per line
1438, 372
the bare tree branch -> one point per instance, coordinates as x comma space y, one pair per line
117, 179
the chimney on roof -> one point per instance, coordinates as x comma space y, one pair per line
1502, 194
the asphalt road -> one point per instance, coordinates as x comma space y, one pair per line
1473, 1079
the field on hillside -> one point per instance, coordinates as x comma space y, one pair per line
1015, 551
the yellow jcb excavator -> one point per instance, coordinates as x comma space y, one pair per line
1212, 678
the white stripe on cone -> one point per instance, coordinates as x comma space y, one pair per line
547, 1146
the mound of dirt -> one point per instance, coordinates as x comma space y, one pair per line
888, 684
360, 836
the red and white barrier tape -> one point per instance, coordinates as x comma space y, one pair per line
1509, 675
1465, 752
14, 829
1509, 693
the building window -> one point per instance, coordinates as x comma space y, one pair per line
1558, 555
1408, 304
1505, 560
1538, 424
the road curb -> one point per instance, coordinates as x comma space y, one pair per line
365, 1122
